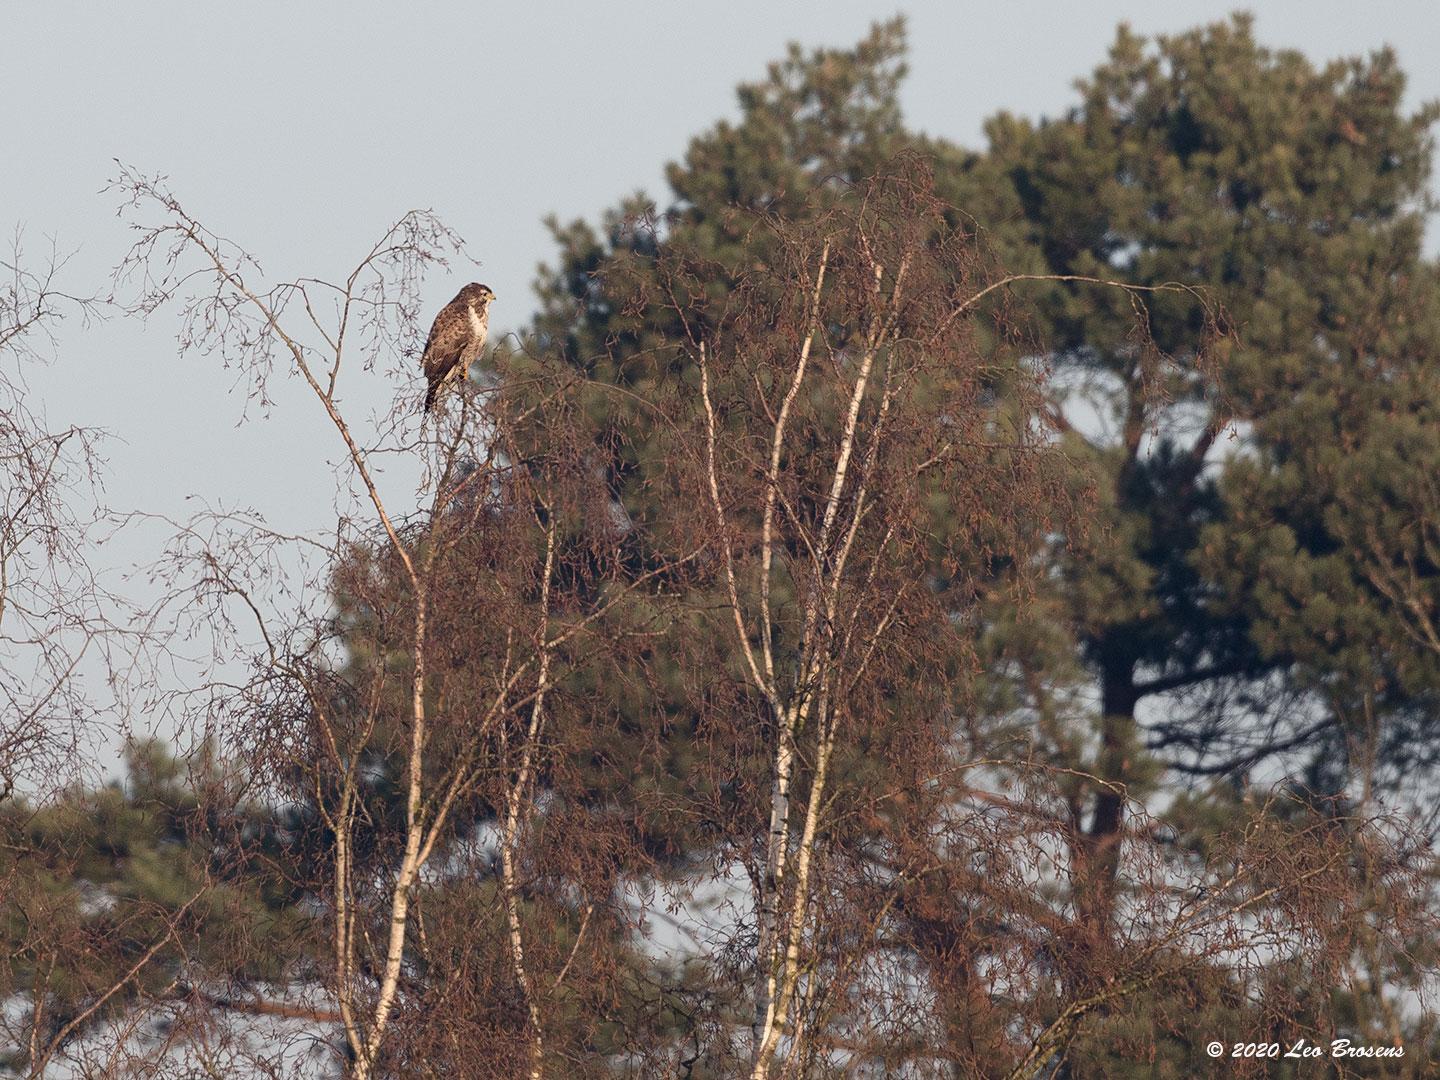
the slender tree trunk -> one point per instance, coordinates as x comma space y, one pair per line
776, 856
411, 861
1100, 844
781, 999
515, 800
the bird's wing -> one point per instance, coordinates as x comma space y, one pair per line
447, 340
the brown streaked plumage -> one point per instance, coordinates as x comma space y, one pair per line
456, 339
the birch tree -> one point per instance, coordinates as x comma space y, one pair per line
841, 397
416, 709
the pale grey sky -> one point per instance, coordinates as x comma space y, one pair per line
302, 129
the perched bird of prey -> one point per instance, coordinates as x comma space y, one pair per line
456, 339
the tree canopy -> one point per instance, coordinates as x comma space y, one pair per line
897, 610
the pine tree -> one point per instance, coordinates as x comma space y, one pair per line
165, 892
1283, 196
1290, 195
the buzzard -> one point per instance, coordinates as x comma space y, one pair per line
456, 339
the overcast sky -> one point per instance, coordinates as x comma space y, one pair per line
302, 129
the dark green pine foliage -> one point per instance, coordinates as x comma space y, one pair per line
1284, 194
1226, 617
172, 855
1335, 545
1290, 195
817, 122
1267, 184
